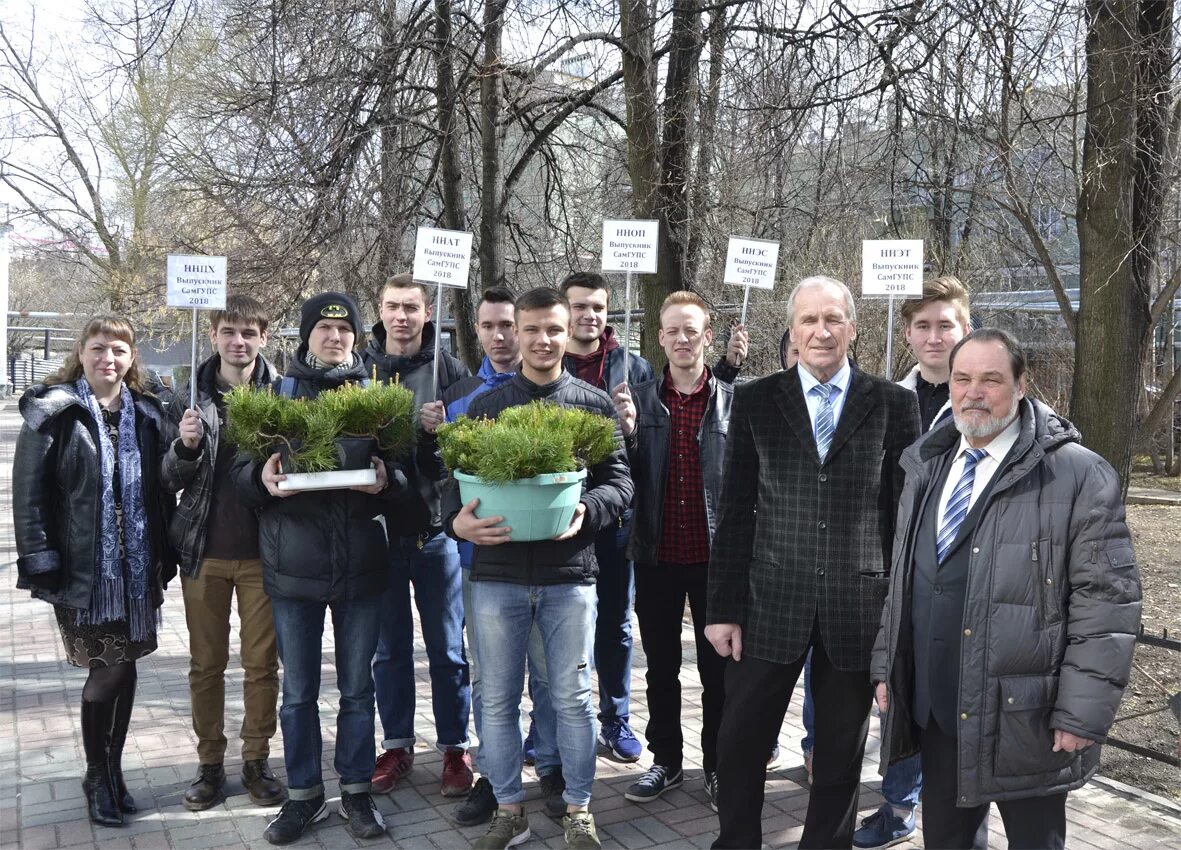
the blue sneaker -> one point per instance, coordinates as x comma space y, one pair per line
617, 739
529, 748
883, 829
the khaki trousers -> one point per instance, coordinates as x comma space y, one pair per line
207, 611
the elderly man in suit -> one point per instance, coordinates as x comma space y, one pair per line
800, 561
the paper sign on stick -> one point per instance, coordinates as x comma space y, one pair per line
196, 282
442, 257
892, 267
751, 262
630, 246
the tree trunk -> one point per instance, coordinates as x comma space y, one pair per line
491, 255
1118, 202
707, 122
450, 174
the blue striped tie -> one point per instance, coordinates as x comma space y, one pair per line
824, 419
957, 505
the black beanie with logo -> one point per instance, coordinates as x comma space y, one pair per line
328, 305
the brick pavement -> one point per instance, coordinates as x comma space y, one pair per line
41, 803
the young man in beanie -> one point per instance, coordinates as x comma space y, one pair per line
403, 350
547, 585
323, 549
216, 538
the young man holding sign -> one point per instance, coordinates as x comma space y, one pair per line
546, 584
403, 350
216, 537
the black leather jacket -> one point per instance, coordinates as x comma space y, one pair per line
56, 482
607, 491
326, 545
647, 451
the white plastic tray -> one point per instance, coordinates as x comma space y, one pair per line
335, 480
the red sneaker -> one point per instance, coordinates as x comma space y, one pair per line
457, 773
391, 766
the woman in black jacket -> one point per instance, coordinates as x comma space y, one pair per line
90, 519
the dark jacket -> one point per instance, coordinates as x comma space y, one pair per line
799, 540
326, 545
1052, 604
56, 482
640, 369
647, 453
417, 513
459, 395
607, 491
192, 472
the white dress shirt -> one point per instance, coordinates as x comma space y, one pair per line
986, 467
840, 380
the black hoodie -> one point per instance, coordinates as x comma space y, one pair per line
419, 515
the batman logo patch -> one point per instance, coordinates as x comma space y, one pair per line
335, 311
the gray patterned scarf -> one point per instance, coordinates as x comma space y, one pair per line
122, 588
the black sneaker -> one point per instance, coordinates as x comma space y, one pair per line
364, 820
711, 789
655, 781
479, 806
294, 819
552, 786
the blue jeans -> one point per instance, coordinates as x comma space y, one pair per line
613, 634
473, 665
438, 593
564, 615
903, 781
299, 629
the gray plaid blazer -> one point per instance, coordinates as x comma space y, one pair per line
797, 539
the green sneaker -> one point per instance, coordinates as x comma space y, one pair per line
580, 831
506, 830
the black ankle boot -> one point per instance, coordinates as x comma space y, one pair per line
122, 720
101, 805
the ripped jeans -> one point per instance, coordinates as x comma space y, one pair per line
504, 615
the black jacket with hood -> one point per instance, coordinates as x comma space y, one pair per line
192, 472
326, 545
418, 513
56, 490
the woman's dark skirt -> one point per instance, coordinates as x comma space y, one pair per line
99, 645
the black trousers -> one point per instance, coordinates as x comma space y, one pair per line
661, 591
757, 694
1034, 823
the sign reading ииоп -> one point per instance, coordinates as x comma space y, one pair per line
196, 282
442, 257
751, 262
630, 246
892, 267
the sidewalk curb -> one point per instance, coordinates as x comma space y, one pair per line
1163, 805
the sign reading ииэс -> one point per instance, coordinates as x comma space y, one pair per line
892, 267
751, 262
196, 282
442, 257
630, 246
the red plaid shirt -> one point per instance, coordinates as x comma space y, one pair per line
684, 537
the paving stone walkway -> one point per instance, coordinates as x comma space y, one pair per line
41, 803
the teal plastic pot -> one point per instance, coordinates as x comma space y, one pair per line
536, 508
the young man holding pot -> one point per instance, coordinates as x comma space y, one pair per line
549, 584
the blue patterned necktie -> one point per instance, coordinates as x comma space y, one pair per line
957, 505
824, 419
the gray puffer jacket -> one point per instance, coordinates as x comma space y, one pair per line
1050, 616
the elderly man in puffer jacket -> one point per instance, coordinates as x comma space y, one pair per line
1007, 637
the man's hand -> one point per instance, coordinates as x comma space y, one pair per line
737, 347
191, 429
382, 482
271, 476
482, 532
1069, 742
882, 695
625, 408
726, 639
575, 523
431, 416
